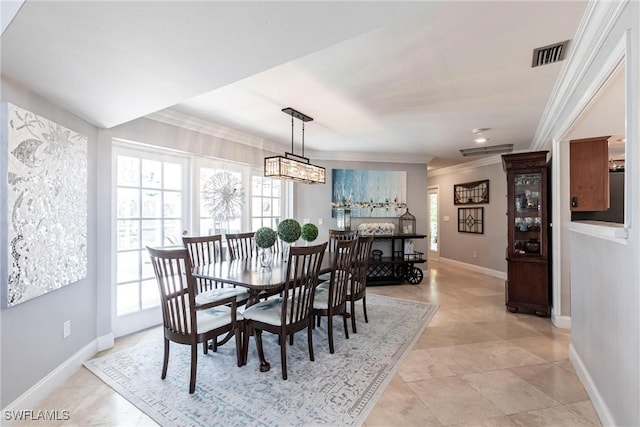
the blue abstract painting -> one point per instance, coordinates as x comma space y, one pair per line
369, 193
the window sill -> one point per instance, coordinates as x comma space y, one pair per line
602, 230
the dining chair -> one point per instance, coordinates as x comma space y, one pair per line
241, 245
293, 312
332, 300
359, 270
336, 235
184, 320
205, 250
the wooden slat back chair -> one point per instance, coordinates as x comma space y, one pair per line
284, 316
336, 235
332, 300
204, 250
208, 250
241, 245
358, 289
184, 320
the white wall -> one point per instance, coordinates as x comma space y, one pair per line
605, 272
491, 245
31, 333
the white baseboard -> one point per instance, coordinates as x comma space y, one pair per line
563, 322
489, 272
596, 399
106, 341
43, 388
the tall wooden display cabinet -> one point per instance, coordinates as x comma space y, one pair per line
528, 283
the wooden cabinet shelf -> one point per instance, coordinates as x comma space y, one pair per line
528, 284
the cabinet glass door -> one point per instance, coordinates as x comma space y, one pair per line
528, 213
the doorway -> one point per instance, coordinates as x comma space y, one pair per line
434, 245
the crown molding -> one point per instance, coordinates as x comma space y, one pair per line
353, 156
596, 25
185, 121
463, 167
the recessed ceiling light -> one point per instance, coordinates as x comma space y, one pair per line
480, 138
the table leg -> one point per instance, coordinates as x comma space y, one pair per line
264, 365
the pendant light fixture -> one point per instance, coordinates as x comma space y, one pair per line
291, 166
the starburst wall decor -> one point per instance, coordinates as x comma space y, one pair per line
223, 196
46, 205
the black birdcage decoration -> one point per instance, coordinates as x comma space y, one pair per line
407, 223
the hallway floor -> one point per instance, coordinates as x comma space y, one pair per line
475, 365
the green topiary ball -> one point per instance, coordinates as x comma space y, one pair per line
309, 232
289, 230
265, 237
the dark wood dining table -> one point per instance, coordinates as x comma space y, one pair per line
249, 274
259, 281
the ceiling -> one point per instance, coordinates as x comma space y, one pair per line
405, 81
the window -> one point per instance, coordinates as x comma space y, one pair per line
158, 196
149, 212
266, 202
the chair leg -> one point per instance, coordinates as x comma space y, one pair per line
283, 355
165, 362
353, 317
215, 344
291, 339
310, 340
239, 349
194, 365
330, 332
344, 321
205, 347
364, 308
246, 332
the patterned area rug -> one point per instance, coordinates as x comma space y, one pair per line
337, 389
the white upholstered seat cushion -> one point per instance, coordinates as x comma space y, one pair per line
218, 294
213, 318
321, 298
324, 277
269, 311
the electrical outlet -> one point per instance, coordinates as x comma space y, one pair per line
475, 254
66, 328
319, 221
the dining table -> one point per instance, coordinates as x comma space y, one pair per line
258, 280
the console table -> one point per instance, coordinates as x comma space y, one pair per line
393, 265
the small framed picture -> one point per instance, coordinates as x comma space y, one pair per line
471, 220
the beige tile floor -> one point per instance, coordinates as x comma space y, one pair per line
475, 365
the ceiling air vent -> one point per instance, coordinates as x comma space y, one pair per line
549, 54
493, 149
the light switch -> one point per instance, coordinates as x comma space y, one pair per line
445, 218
